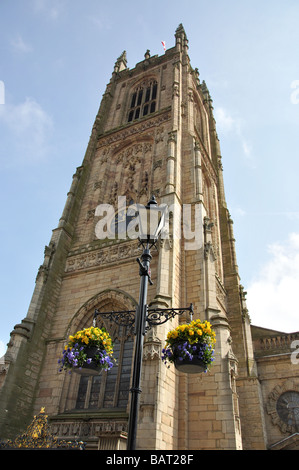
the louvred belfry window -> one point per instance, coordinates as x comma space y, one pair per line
143, 101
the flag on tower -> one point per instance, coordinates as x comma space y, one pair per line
164, 45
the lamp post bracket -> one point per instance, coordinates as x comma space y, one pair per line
154, 316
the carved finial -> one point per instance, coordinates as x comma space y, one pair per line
204, 87
180, 30
196, 75
206, 92
181, 39
121, 63
123, 57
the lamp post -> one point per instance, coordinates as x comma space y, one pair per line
151, 220
139, 332
148, 238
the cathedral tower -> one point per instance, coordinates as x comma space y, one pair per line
154, 134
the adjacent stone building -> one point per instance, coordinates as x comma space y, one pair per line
154, 133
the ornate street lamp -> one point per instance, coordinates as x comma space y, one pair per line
149, 234
151, 220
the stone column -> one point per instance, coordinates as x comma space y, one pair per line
198, 172
171, 161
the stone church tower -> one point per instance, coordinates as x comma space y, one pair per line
154, 134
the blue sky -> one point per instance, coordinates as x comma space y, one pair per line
56, 57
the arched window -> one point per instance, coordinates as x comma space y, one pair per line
143, 101
109, 389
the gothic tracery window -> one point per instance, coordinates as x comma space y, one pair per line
143, 101
109, 389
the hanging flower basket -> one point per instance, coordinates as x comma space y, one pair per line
88, 352
190, 347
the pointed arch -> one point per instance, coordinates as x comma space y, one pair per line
143, 98
106, 300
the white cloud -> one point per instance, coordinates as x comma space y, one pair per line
246, 148
99, 22
20, 45
237, 212
292, 215
272, 298
49, 8
227, 124
27, 126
